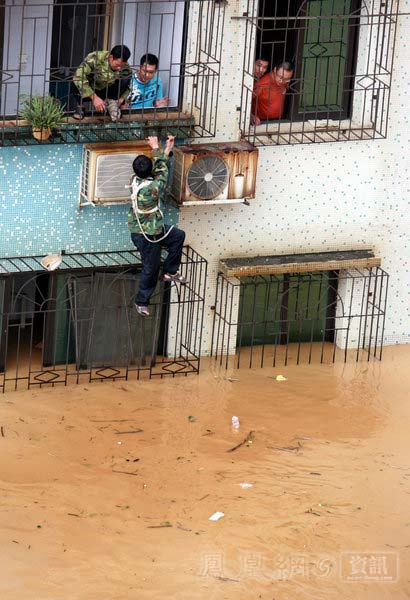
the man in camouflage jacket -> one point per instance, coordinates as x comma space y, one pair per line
104, 78
149, 232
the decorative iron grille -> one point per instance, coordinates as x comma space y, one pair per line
44, 42
336, 84
78, 324
300, 317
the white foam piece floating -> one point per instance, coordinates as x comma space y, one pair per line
216, 516
246, 485
51, 261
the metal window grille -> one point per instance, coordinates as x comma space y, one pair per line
300, 317
341, 53
78, 324
44, 42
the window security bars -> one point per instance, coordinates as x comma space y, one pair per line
301, 317
336, 81
45, 42
79, 324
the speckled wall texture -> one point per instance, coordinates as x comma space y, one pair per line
309, 197
318, 197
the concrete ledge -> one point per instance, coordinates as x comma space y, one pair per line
297, 263
100, 129
140, 117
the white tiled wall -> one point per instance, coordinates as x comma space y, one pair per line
317, 197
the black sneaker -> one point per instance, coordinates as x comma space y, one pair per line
78, 114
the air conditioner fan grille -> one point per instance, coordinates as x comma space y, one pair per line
208, 177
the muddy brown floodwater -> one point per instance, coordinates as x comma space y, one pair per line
106, 490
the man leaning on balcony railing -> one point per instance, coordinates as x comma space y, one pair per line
269, 93
104, 78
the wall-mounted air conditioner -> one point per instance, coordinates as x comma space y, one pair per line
219, 173
106, 172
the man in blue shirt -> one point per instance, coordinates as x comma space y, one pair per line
146, 85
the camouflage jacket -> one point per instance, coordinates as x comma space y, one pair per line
149, 197
95, 73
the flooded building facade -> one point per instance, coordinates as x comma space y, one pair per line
331, 176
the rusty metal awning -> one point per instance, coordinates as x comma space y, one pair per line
73, 262
297, 263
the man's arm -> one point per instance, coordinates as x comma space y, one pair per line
160, 160
82, 82
255, 120
169, 144
160, 101
81, 76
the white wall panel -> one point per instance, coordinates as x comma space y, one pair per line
317, 197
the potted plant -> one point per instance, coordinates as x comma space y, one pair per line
43, 113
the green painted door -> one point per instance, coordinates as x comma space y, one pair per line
325, 68
283, 309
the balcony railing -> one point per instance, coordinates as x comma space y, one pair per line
338, 58
78, 324
301, 308
45, 42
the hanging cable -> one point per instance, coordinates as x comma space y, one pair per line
136, 187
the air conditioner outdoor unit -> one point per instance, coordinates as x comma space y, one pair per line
219, 173
106, 172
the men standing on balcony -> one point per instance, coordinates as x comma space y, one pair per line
269, 94
146, 85
104, 78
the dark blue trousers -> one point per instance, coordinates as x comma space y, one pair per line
151, 259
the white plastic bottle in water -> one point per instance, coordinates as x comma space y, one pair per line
235, 422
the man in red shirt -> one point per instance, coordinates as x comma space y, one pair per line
269, 94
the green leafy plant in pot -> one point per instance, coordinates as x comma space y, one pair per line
43, 113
